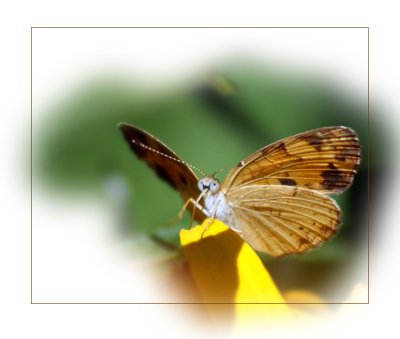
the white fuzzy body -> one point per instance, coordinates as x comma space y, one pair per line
217, 206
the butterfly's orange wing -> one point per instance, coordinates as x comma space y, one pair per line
281, 220
276, 194
177, 174
325, 159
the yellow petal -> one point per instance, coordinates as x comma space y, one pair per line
225, 269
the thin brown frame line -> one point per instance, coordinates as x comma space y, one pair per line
368, 170
205, 27
193, 303
31, 159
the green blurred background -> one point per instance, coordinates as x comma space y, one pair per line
212, 121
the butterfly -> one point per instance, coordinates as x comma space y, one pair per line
276, 199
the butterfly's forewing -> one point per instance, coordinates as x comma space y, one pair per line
281, 220
177, 174
324, 159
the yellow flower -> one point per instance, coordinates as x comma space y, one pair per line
229, 276
233, 283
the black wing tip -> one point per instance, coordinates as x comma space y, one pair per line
131, 132
127, 131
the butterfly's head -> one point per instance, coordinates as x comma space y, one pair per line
209, 183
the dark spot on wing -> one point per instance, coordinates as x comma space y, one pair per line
316, 141
163, 174
333, 179
281, 147
332, 166
183, 179
288, 182
340, 157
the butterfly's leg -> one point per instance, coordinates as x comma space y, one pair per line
183, 209
196, 204
210, 220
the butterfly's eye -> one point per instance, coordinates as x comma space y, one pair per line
214, 186
200, 185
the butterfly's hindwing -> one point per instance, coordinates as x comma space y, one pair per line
281, 220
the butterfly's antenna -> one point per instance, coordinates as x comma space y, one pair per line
219, 171
168, 156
